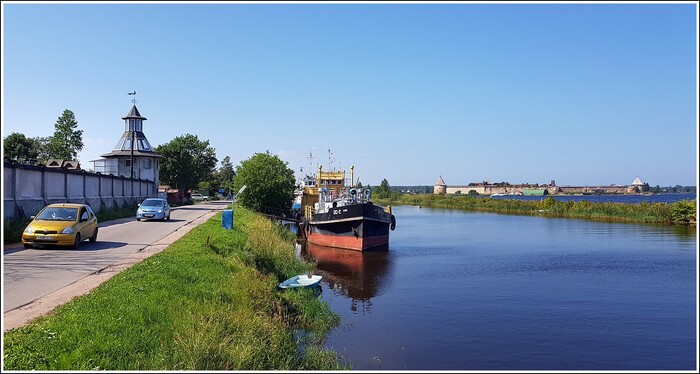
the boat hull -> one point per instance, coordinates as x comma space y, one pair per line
301, 281
356, 227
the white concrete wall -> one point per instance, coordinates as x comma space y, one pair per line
465, 189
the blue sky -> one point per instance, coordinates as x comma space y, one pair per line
585, 94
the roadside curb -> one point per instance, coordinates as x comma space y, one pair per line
26, 313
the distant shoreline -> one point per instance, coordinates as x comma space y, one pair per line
681, 212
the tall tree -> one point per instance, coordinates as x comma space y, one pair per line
269, 183
17, 147
42, 147
226, 173
187, 161
67, 140
383, 190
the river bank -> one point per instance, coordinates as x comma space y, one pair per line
207, 302
678, 213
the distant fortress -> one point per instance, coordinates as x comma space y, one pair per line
487, 188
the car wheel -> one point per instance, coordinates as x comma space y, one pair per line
77, 241
93, 238
168, 217
138, 219
28, 246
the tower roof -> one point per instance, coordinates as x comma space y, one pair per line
133, 137
637, 182
134, 113
440, 182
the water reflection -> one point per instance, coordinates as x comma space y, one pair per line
357, 275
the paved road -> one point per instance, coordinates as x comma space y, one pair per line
30, 274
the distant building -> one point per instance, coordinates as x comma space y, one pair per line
66, 164
487, 188
440, 187
133, 156
639, 186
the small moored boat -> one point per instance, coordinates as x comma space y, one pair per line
301, 281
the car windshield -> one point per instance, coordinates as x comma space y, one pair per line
152, 203
58, 214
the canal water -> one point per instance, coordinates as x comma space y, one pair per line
479, 291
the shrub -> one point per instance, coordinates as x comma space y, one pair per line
683, 212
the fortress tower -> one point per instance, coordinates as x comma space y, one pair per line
440, 187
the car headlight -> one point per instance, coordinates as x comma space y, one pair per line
29, 230
139, 211
67, 230
160, 210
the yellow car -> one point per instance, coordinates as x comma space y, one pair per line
61, 224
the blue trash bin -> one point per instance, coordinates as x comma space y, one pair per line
227, 219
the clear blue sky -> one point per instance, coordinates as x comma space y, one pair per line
585, 94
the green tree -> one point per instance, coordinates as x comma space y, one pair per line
187, 161
17, 147
219, 179
67, 140
269, 183
683, 212
382, 191
42, 147
225, 176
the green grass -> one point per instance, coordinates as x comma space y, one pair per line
190, 307
678, 213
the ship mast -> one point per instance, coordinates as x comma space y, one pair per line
330, 160
311, 161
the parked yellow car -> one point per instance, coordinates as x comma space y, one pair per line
61, 224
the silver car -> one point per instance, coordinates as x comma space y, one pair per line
153, 208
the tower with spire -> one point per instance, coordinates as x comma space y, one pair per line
133, 156
440, 187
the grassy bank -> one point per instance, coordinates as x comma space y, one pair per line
678, 213
208, 302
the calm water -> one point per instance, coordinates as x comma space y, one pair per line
477, 291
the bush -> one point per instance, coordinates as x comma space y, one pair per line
683, 212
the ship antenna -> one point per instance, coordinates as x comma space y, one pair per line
330, 160
311, 161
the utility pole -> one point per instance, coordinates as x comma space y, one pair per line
133, 133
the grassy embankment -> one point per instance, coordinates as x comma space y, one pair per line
678, 213
207, 302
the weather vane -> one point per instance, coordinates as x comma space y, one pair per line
133, 93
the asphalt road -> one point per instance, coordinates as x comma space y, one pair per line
29, 274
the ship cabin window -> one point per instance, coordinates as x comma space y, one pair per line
127, 162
